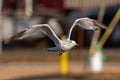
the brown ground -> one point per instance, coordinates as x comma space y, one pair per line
52, 70
31, 64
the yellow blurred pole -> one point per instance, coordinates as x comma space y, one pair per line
64, 60
109, 30
96, 33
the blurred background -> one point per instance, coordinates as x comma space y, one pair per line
26, 59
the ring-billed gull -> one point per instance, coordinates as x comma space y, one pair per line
60, 45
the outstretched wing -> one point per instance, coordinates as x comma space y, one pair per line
36, 29
86, 23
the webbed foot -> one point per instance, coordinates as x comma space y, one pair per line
60, 54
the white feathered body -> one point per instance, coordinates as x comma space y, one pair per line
65, 45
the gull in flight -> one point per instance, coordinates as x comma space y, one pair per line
60, 45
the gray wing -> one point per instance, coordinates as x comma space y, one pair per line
86, 23
36, 29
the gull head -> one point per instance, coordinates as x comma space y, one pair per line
73, 43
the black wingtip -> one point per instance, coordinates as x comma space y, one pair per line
15, 37
104, 27
98, 24
6, 42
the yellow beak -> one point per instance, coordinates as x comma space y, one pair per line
77, 45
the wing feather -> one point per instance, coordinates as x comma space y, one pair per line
86, 23
44, 28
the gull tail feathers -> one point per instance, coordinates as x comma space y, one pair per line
51, 50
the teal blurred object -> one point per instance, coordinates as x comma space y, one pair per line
103, 55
